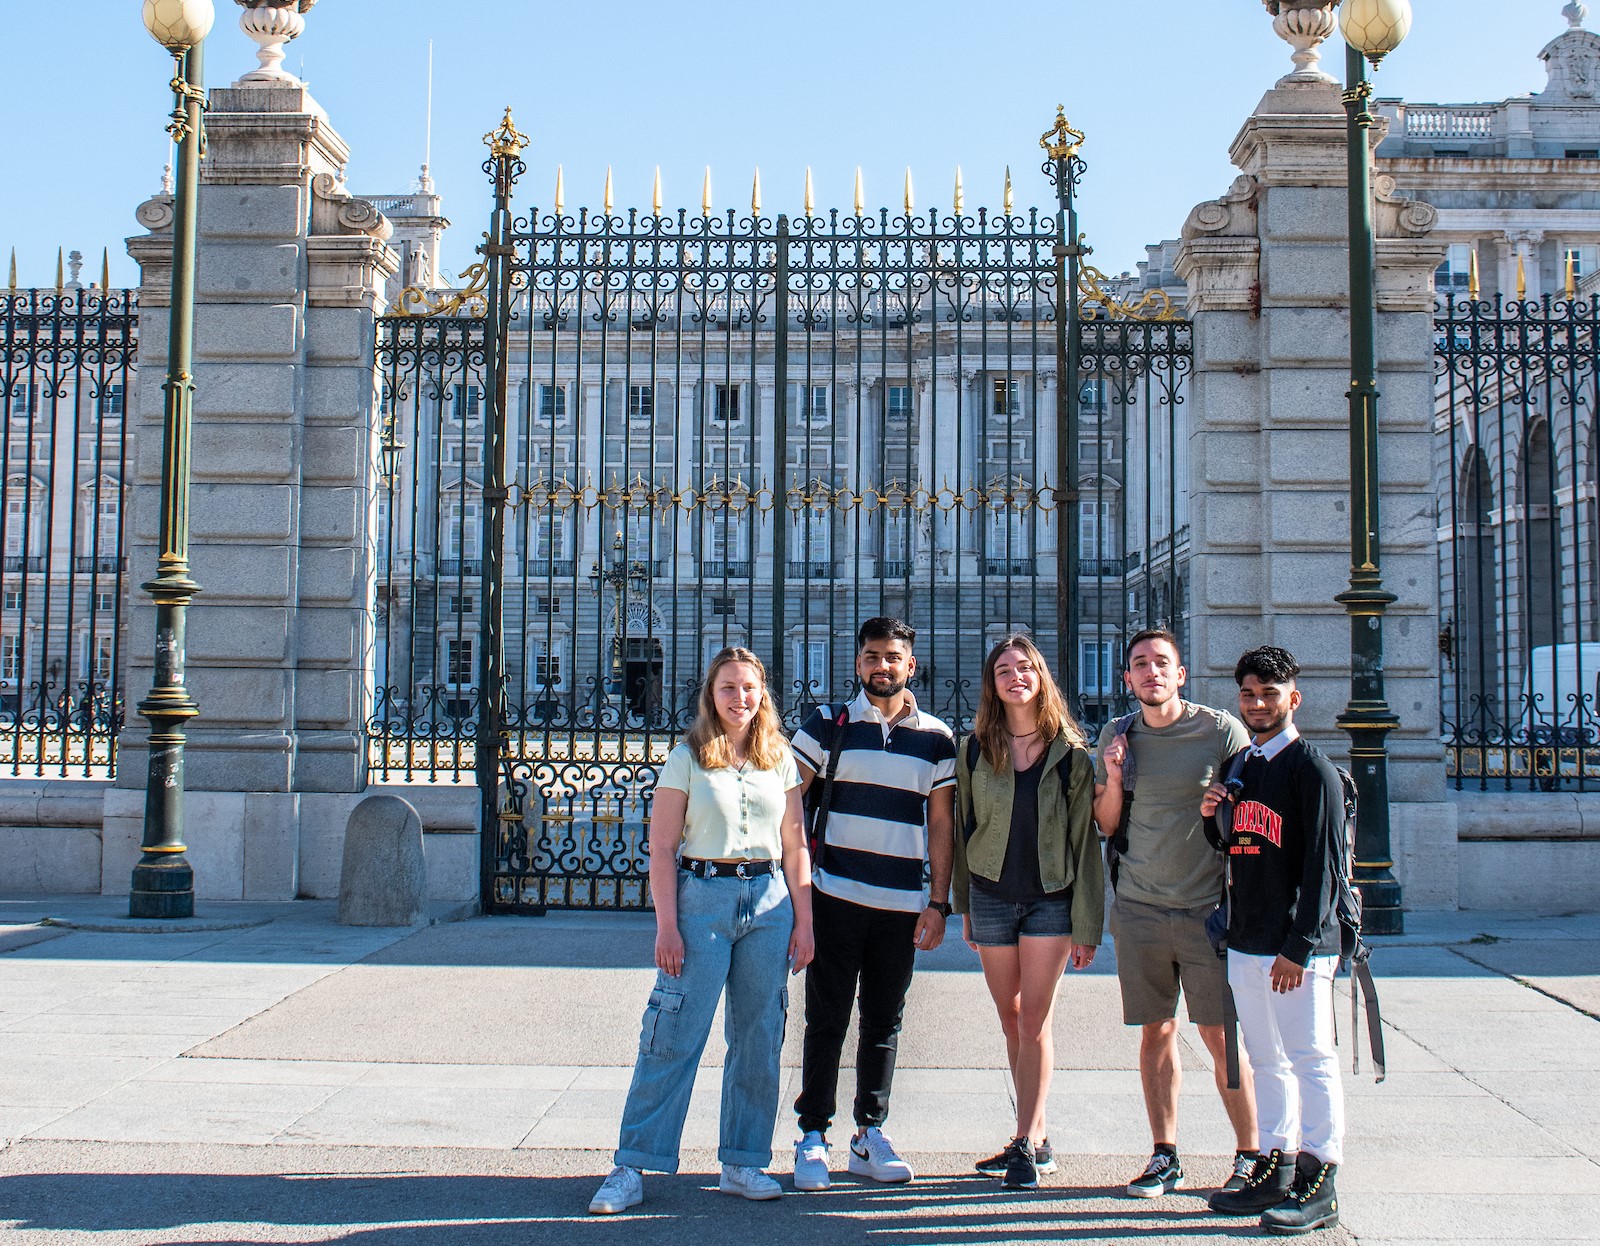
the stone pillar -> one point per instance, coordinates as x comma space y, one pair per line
284, 468
1269, 447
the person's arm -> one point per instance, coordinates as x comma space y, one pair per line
797, 873
941, 853
1319, 807
1089, 883
667, 808
1108, 795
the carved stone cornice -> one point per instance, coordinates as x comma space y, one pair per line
334, 210
1233, 215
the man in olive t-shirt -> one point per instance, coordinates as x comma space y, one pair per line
1169, 879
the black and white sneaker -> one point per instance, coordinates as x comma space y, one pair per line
1044, 1159
1162, 1175
1022, 1168
1244, 1163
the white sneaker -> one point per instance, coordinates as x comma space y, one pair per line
873, 1155
748, 1182
811, 1163
623, 1189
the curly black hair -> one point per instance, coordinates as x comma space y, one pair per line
1269, 664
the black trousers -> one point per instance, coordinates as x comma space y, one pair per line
872, 947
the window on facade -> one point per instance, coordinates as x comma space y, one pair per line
546, 664
725, 404
1006, 537
1572, 260
1456, 271
552, 404
16, 526
896, 542
466, 402
104, 602
10, 658
461, 605
722, 607
111, 399
1092, 399
108, 525
550, 535
1006, 398
809, 539
24, 400
461, 529
97, 659
729, 539
813, 406
899, 402
1094, 531
1095, 667
1583, 153
459, 668
458, 453
1100, 450
811, 661
547, 605
641, 402
13, 599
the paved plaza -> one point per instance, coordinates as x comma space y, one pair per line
281, 1078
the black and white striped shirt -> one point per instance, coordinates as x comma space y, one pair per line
877, 833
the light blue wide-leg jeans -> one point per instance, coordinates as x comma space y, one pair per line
735, 936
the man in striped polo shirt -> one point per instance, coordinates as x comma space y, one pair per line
891, 809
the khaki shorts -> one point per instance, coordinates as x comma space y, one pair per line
1160, 951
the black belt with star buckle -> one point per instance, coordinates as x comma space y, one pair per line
729, 869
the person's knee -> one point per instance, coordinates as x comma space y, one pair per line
1159, 1037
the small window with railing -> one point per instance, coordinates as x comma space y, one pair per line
1005, 396
899, 404
725, 405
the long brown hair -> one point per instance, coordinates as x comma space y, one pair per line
709, 740
1055, 719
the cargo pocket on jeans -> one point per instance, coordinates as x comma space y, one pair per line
660, 1027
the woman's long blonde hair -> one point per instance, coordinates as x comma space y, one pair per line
707, 737
1055, 719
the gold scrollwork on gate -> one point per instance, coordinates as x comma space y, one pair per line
1099, 303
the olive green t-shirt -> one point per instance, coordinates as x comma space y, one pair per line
1168, 862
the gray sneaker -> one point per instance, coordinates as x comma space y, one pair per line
623, 1189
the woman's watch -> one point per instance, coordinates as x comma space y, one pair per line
941, 907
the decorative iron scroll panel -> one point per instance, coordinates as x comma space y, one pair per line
729, 430
67, 359
1518, 449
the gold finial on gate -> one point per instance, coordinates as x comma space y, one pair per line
861, 196
1522, 279
1472, 274
1007, 201
655, 194
755, 193
810, 199
505, 140
960, 199
910, 199
561, 191
608, 198
1061, 141
61, 276
705, 194
105, 268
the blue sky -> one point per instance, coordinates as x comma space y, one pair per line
1160, 86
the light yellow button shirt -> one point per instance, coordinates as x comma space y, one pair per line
733, 813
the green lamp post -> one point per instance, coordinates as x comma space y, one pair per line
163, 880
1372, 29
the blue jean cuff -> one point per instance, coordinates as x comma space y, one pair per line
643, 1159
752, 1159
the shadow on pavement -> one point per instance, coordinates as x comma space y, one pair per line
466, 1210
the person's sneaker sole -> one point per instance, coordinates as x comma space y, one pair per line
1018, 1185
1166, 1187
598, 1208
860, 1168
812, 1184
754, 1196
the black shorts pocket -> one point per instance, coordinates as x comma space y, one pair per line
660, 1028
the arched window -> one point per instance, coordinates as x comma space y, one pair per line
1477, 592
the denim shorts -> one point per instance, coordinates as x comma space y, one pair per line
999, 923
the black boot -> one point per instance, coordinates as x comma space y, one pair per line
1312, 1202
1267, 1185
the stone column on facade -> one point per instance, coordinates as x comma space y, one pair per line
284, 467
1269, 447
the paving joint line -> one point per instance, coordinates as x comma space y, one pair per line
1524, 982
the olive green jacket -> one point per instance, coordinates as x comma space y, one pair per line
1069, 847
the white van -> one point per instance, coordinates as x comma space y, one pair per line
1561, 694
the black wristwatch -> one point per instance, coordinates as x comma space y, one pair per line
941, 907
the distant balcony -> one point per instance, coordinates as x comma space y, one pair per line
894, 568
549, 568
1100, 568
108, 565
1008, 566
16, 562
813, 569
451, 568
719, 568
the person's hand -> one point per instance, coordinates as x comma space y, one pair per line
1112, 756
669, 951
930, 930
1212, 800
1082, 955
1286, 975
966, 931
802, 947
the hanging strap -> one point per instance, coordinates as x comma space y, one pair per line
819, 810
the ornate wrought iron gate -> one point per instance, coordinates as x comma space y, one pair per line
700, 430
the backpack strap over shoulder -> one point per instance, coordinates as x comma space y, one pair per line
817, 808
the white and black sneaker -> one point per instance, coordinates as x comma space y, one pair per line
873, 1155
1044, 1159
1022, 1169
1162, 1175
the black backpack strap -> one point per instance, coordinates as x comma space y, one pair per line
818, 809
1361, 976
970, 753
1117, 841
1230, 1031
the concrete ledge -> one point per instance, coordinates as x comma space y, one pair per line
1519, 817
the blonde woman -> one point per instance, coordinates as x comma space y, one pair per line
731, 880
1028, 876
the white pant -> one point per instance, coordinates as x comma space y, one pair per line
1289, 1038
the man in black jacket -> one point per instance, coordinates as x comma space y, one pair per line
1282, 841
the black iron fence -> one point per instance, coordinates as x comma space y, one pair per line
66, 377
1519, 541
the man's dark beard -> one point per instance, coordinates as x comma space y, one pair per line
1172, 696
895, 688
